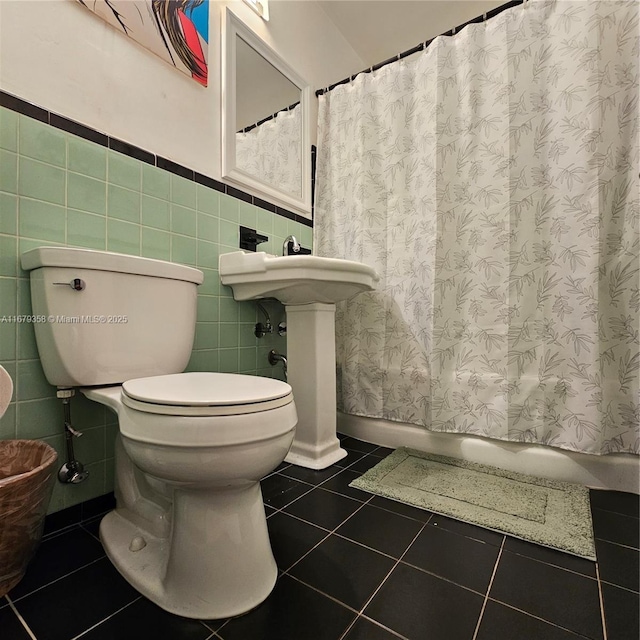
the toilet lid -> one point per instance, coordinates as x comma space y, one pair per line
226, 392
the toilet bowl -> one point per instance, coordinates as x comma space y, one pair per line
189, 529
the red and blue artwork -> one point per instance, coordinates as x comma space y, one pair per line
175, 30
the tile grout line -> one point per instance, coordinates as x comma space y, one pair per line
536, 617
22, 620
619, 586
486, 597
601, 602
48, 584
330, 532
106, 618
618, 544
378, 624
550, 564
373, 595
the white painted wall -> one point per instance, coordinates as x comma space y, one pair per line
58, 55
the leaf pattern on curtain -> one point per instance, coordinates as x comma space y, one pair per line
271, 151
492, 181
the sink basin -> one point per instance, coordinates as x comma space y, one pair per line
294, 279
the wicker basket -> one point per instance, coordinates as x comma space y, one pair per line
26, 482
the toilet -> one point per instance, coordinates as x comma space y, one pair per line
189, 529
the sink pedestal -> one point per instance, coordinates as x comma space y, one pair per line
309, 287
311, 355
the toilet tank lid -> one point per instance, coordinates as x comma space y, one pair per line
75, 258
197, 389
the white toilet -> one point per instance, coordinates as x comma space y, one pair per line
189, 530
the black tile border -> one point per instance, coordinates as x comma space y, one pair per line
77, 129
30, 110
130, 150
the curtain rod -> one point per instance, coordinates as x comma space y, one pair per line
273, 116
423, 45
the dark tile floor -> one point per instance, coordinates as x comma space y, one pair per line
356, 567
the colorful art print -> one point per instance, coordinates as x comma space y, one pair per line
175, 30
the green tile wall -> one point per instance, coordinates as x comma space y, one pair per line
56, 188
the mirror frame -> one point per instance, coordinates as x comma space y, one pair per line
233, 28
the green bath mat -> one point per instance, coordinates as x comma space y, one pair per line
550, 513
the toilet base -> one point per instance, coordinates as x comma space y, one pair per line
216, 563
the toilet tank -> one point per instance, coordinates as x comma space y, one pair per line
102, 318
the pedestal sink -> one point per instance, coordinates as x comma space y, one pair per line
309, 287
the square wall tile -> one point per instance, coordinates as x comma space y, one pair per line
42, 181
86, 194
8, 129
156, 213
183, 191
208, 253
8, 423
207, 308
228, 360
41, 220
31, 382
183, 220
8, 337
8, 171
156, 182
228, 334
229, 208
207, 227
280, 227
264, 221
228, 310
247, 359
204, 360
40, 418
87, 158
86, 230
123, 204
123, 237
247, 215
8, 214
42, 142
208, 200
156, 244
124, 171
91, 448
27, 348
211, 284
183, 250
8, 255
306, 236
229, 234
206, 335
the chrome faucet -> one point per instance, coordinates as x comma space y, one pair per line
285, 246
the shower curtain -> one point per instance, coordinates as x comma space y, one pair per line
492, 182
271, 151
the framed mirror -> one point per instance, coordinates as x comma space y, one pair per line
265, 121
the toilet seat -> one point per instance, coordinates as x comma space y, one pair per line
205, 394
